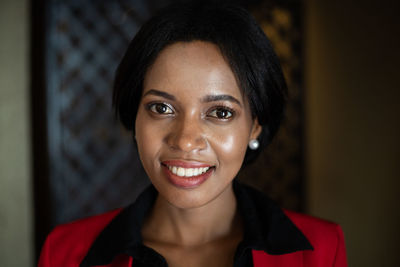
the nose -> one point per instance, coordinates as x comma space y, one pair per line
187, 135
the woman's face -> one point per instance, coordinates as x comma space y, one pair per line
193, 124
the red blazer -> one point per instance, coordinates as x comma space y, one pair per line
68, 244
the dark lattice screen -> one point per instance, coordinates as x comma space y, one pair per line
278, 171
93, 164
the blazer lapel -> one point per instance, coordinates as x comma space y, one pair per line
263, 259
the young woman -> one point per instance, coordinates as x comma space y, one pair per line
203, 93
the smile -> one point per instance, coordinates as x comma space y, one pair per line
187, 172
186, 175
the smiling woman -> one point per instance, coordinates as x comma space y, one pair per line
197, 117
203, 92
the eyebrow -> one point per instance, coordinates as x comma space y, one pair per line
206, 99
160, 93
212, 98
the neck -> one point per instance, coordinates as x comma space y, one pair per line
216, 220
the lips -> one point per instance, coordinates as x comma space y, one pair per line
185, 174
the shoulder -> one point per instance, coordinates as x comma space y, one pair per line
87, 227
70, 242
326, 238
314, 228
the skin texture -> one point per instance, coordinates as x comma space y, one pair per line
179, 118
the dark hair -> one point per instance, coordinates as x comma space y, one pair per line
241, 41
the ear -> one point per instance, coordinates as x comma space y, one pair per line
256, 130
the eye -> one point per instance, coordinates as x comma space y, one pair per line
160, 108
221, 113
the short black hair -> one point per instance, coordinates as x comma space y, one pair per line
242, 43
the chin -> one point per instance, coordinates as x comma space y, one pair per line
185, 198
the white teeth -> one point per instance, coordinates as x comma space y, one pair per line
187, 172
181, 171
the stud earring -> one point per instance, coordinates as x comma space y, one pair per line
254, 144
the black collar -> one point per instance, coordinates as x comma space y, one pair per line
266, 228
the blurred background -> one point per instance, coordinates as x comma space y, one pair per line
63, 156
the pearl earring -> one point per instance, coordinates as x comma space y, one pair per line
254, 144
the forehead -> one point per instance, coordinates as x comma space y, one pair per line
192, 67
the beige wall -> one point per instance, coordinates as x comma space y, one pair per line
353, 126
16, 246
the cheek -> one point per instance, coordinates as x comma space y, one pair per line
230, 145
147, 139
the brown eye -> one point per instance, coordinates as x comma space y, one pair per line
221, 113
161, 108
